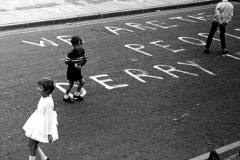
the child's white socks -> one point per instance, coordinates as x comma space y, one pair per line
32, 158
66, 96
77, 93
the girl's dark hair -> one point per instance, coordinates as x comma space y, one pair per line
47, 84
214, 156
75, 40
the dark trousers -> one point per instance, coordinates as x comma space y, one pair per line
214, 27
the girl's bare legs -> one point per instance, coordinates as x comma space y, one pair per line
41, 154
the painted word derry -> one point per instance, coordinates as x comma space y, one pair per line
139, 74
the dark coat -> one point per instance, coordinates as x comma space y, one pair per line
75, 57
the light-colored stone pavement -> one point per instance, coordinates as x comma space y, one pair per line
27, 13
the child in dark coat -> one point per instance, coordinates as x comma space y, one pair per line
75, 60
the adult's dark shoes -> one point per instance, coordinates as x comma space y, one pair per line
206, 50
224, 51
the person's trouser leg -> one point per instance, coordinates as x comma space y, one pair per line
222, 36
211, 34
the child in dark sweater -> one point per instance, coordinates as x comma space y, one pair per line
75, 60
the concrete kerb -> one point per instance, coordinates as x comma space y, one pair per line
101, 15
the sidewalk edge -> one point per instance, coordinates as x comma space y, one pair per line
102, 15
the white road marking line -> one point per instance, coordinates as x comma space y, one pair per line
42, 28
238, 53
219, 151
232, 56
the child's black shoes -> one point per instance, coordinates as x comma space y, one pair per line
78, 97
69, 100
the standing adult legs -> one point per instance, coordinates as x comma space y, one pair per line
222, 36
211, 34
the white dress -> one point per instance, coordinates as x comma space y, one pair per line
42, 122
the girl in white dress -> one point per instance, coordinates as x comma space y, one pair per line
42, 124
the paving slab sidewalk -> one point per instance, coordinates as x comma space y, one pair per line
29, 13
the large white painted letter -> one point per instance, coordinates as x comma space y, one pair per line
232, 35
102, 82
115, 29
206, 35
168, 69
137, 73
139, 26
42, 43
137, 47
160, 25
190, 63
166, 46
229, 55
198, 17
66, 38
181, 18
187, 39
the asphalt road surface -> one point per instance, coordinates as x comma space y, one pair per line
151, 92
